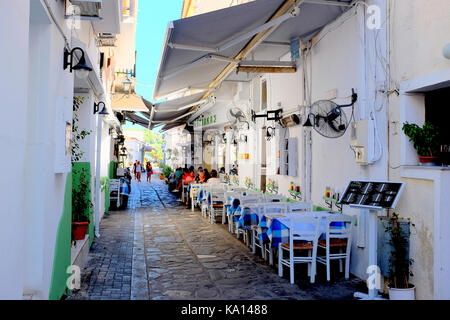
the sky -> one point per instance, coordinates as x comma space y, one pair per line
153, 17
152, 20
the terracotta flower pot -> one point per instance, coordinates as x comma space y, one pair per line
79, 230
427, 160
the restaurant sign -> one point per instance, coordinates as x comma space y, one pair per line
201, 122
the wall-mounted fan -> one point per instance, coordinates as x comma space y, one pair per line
328, 118
237, 117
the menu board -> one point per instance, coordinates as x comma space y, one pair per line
372, 194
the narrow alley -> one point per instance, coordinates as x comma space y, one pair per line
158, 249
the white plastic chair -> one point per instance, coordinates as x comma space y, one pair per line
340, 238
114, 186
265, 209
299, 206
309, 231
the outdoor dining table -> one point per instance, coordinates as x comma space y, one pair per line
275, 227
248, 216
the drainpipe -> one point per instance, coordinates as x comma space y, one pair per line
97, 177
307, 136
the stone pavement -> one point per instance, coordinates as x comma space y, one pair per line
158, 249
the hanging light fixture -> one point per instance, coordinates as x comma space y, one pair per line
127, 85
308, 122
81, 68
270, 133
104, 112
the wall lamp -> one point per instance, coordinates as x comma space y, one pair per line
271, 115
270, 133
308, 122
81, 68
104, 112
127, 85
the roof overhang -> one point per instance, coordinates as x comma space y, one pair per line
203, 50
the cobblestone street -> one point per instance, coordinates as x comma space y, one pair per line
158, 249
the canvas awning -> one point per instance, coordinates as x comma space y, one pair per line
130, 102
175, 111
200, 50
135, 119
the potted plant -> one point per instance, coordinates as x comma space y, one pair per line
399, 262
425, 140
81, 208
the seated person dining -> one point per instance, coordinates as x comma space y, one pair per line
213, 179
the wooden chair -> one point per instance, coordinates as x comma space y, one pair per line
243, 201
338, 237
300, 240
217, 201
237, 189
274, 198
204, 206
195, 189
299, 206
230, 194
114, 191
267, 208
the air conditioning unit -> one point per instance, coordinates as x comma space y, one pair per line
85, 9
290, 121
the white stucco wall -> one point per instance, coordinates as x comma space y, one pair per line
13, 139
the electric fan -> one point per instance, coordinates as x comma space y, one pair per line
328, 118
236, 117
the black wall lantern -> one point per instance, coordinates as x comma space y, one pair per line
81, 68
97, 107
274, 115
270, 133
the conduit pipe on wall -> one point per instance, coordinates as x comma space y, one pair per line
52, 17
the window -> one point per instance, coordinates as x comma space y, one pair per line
263, 94
437, 111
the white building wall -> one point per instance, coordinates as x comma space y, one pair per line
345, 58
337, 63
13, 139
419, 32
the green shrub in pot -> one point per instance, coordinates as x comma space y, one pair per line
399, 261
426, 139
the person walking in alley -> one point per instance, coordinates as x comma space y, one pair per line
138, 171
149, 169
134, 169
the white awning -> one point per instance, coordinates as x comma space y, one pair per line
175, 111
198, 49
130, 102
